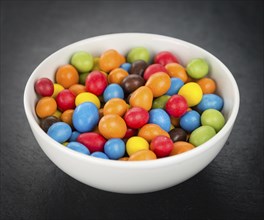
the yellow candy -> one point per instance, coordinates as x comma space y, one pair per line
87, 97
192, 92
96, 63
135, 144
57, 113
57, 89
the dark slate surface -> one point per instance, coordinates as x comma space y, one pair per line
231, 187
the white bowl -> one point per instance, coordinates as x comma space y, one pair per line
141, 176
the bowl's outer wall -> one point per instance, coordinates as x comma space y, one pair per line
124, 180
129, 178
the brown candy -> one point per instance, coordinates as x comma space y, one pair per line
138, 67
132, 82
178, 134
45, 123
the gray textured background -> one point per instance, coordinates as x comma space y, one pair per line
231, 187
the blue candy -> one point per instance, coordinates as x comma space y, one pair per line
60, 132
113, 91
190, 121
99, 154
85, 117
210, 101
78, 147
114, 148
176, 84
126, 66
74, 136
160, 117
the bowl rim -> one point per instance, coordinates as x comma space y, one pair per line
134, 164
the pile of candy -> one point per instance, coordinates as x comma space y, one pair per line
130, 107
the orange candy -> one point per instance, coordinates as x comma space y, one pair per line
67, 76
122, 58
117, 75
46, 106
143, 155
159, 83
115, 106
77, 89
142, 97
207, 85
101, 112
150, 131
110, 60
175, 121
66, 116
177, 70
180, 147
112, 126
123, 159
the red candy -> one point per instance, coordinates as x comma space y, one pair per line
136, 117
93, 141
96, 82
161, 146
130, 132
65, 100
176, 106
164, 58
154, 68
44, 87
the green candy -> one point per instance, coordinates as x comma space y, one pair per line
197, 68
213, 118
201, 135
138, 53
82, 78
160, 102
82, 61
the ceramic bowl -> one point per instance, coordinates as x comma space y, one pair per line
140, 176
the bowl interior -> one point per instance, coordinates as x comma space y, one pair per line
227, 87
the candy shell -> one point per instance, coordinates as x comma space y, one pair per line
76, 146
114, 148
213, 118
192, 92
142, 155
85, 117
161, 118
60, 131
82, 61
181, 147
201, 135
135, 144
93, 141
150, 131
142, 97
197, 68
159, 83
210, 101
112, 126
161, 146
